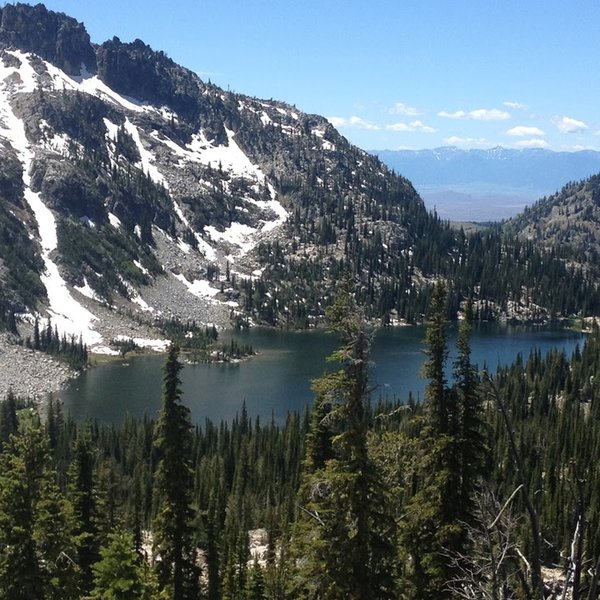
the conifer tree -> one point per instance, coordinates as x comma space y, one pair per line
37, 551
432, 529
343, 545
119, 575
84, 497
8, 417
255, 588
473, 448
174, 542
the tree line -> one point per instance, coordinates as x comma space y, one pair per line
488, 489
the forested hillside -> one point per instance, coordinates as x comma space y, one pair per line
129, 188
566, 223
487, 490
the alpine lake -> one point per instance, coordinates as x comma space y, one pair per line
278, 378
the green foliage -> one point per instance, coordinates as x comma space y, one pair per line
84, 497
79, 503
387, 242
174, 541
48, 340
21, 285
107, 256
344, 538
37, 557
451, 450
119, 574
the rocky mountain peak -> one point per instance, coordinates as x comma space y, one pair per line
135, 69
53, 36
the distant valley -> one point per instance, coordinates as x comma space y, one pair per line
488, 185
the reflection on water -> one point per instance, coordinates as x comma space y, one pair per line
278, 379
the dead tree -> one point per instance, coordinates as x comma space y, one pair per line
535, 587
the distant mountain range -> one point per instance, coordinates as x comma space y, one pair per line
488, 184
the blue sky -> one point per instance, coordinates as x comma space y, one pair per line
389, 73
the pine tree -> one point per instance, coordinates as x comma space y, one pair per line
432, 530
119, 574
174, 543
255, 588
84, 497
343, 544
8, 417
473, 446
37, 550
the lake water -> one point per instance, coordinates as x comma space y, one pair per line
278, 379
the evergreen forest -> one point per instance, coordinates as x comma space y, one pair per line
489, 489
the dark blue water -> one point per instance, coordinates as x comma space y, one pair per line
278, 379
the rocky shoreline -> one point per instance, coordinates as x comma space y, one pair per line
28, 373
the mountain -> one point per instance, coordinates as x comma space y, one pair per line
488, 184
133, 193
130, 184
567, 222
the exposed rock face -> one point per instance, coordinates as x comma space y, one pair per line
137, 71
145, 190
52, 36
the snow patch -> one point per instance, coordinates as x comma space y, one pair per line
68, 315
173, 146
87, 291
153, 344
105, 350
27, 77
229, 158
114, 220
96, 87
141, 267
237, 234
167, 114
185, 248
134, 296
199, 287
203, 246
137, 299
59, 143
111, 129
146, 162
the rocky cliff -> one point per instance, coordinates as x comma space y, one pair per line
131, 192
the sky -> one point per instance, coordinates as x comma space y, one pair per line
389, 74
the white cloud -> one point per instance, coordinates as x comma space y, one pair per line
523, 130
480, 114
352, 123
493, 114
569, 125
455, 140
459, 114
403, 109
412, 126
516, 105
532, 143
